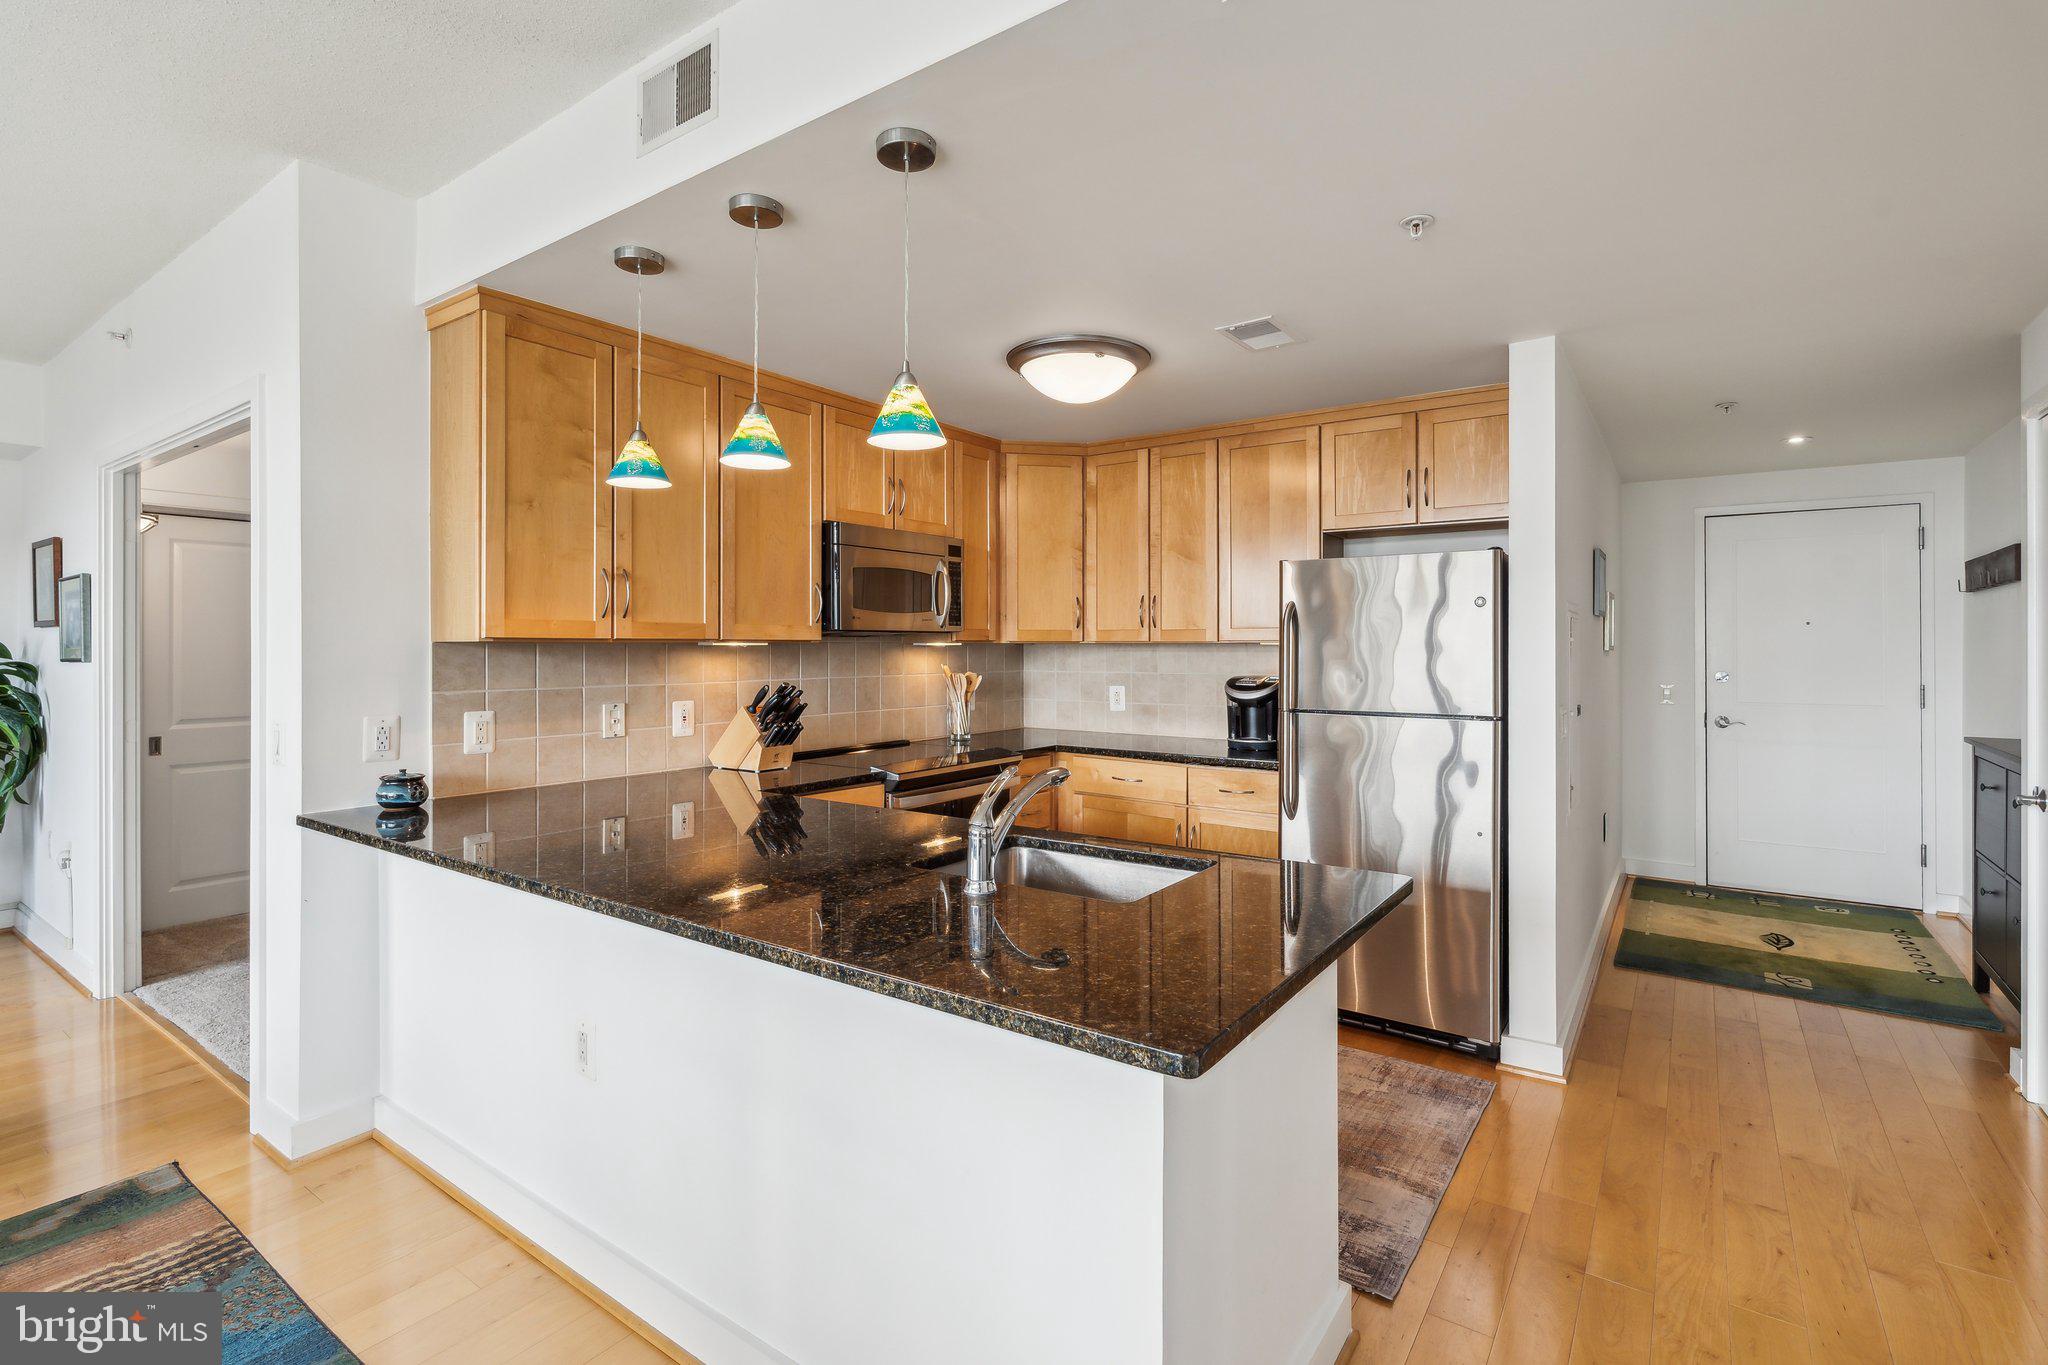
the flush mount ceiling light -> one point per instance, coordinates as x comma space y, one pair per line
1078, 368
754, 444
638, 466
905, 421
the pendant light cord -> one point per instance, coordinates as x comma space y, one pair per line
906, 256
757, 305
639, 351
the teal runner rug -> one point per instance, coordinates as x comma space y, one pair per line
1833, 953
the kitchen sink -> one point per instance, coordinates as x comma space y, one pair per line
1077, 874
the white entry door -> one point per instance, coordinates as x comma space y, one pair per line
1813, 703
195, 717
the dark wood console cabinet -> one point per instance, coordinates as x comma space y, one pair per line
1995, 901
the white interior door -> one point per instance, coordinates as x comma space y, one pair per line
1813, 703
195, 719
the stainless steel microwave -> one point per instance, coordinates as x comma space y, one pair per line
881, 582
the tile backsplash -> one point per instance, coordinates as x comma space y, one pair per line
547, 698
547, 701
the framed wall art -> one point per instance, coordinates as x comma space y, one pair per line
74, 615
46, 566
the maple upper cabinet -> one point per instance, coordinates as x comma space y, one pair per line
1183, 569
522, 517
1043, 498
1119, 562
768, 566
665, 540
1461, 458
908, 490
977, 512
1269, 492
1369, 474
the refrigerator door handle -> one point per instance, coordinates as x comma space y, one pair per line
1290, 778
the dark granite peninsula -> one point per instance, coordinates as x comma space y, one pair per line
1055, 1128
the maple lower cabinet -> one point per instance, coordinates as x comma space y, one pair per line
522, 517
1183, 568
1043, 499
904, 490
665, 540
1461, 456
1243, 832
1119, 817
977, 517
769, 539
1118, 562
1369, 475
1269, 494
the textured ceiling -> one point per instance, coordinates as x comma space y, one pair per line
1828, 212
129, 127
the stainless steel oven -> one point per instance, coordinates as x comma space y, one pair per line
950, 784
880, 582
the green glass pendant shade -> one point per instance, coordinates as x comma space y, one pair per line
637, 466
906, 421
754, 444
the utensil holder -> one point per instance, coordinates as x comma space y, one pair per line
740, 749
959, 717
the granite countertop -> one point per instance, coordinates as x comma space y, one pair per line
1170, 983
2007, 748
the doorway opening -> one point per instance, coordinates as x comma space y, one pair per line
189, 618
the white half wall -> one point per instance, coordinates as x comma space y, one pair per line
1995, 620
1658, 587
1563, 728
581, 166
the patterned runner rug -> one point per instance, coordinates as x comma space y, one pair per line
156, 1233
1833, 953
1401, 1130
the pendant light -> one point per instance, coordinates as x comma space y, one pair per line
754, 444
905, 421
638, 466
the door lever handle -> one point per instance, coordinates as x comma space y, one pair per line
1722, 722
2037, 798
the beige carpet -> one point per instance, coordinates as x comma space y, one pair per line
1401, 1130
189, 947
197, 976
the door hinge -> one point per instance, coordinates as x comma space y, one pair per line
1923, 855
1923, 696
1923, 537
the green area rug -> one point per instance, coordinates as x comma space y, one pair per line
1862, 956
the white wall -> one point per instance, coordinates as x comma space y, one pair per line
1995, 620
1660, 626
1563, 731
13, 625
2034, 357
21, 408
581, 167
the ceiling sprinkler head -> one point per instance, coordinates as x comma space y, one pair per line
1417, 224
1725, 406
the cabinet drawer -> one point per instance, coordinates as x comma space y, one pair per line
1993, 803
1126, 777
1248, 833
1114, 817
1234, 789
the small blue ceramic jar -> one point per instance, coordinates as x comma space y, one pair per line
402, 790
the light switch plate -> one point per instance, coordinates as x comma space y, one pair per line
1116, 697
380, 738
479, 731
612, 720
682, 719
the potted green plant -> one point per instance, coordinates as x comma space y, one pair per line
22, 737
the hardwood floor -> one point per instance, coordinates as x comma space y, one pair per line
1736, 1177
91, 1093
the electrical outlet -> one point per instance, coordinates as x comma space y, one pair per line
611, 835
380, 738
612, 720
682, 818
477, 848
584, 1067
682, 718
1116, 696
479, 731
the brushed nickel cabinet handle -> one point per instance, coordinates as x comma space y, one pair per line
605, 577
1141, 611
1077, 611
1114, 778
1426, 489
1237, 791
625, 593
1407, 488
1155, 611
818, 614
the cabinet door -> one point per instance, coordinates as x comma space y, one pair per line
1252, 833
1183, 604
1116, 817
1369, 472
665, 541
859, 486
976, 509
924, 490
1989, 928
547, 509
2015, 959
1042, 547
768, 574
1043, 810
1992, 807
1119, 561
1269, 494
1462, 456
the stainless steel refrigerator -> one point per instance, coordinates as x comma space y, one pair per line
1393, 695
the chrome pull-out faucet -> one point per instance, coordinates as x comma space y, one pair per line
986, 830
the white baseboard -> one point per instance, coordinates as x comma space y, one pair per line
7, 916
303, 1137
1325, 1340
1943, 903
662, 1304
1526, 1054
1664, 871
1555, 1059
55, 945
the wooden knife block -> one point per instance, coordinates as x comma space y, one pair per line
740, 749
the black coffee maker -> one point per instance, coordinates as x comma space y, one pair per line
1254, 707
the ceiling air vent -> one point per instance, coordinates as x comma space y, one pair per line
678, 95
1258, 334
